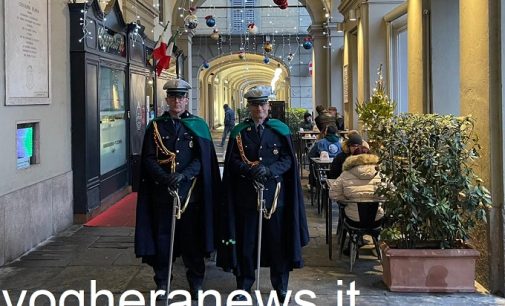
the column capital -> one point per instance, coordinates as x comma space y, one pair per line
336, 29
317, 31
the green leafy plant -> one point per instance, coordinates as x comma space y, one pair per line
294, 118
376, 112
431, 189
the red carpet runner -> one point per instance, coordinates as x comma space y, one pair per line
121, 214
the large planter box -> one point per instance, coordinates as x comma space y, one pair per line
429, 270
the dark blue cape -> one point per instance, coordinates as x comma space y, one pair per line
209, 178
295, 221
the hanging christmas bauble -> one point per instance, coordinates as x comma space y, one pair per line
290, 57
307, 45
210, 21
241, 55
215, 34
206, 65
267, 46
191, 21
266, 60
279, 2
252, 28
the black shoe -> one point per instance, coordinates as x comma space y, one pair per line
281, 294
239, 297
163, 296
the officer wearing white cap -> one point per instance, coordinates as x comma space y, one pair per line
260, 151
176, 87
258, 95
177, 155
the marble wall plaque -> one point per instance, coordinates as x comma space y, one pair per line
26, 24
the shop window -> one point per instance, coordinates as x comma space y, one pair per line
27, 144
112, 119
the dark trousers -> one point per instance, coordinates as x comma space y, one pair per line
273, 249
188, 244
227, 130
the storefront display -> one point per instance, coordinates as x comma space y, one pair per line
113, 99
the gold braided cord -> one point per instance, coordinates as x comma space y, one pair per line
177, 200
242, 153
268, 213
159, 143
183, 209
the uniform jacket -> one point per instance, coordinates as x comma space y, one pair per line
358, 181
274, 150
196, 158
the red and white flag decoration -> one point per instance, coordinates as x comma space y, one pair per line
310, 68
162, 53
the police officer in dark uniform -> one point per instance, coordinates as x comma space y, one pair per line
177, 154
260, 151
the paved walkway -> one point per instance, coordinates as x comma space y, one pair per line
78, 255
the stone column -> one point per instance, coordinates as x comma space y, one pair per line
320, 63
416, 69
335, 67
481, 95
185, 42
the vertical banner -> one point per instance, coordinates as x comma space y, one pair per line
26, 24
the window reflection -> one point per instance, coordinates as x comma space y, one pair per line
112, 119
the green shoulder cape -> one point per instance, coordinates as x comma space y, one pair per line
277, 125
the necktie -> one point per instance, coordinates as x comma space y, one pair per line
260, 130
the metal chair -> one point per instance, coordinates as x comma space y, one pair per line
320, 172
366, 226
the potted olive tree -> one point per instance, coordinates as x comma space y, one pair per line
433, 199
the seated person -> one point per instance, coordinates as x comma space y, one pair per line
358, 181
353, 142
339, 119
307, 123
330, 143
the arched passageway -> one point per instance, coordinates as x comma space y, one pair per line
229, 76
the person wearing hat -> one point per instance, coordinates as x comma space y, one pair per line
177, 154
307, 124
260, 151
352, 143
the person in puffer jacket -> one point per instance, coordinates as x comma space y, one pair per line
358, 181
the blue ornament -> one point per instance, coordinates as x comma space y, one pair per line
266, 60
210, 21
307, 45
206, 65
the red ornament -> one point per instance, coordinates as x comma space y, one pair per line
283, 4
